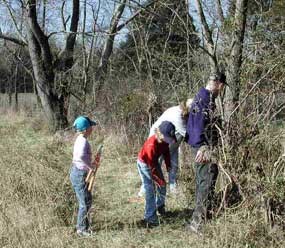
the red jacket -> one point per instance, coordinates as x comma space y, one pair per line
150, 153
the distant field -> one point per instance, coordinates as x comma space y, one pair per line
26, 101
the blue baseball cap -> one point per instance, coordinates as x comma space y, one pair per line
168, 131
81, 123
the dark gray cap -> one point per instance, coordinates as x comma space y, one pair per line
168, 131
219, 76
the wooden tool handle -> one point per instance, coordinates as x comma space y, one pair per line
91, 182
88, 176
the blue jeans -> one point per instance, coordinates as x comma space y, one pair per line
84, 197
154, 196
174, 150
172, 175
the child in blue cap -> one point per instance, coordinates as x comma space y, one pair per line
81, 164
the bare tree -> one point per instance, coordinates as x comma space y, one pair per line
109, 42
44, 63
44, 66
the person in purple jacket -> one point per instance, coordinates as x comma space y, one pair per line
203, 137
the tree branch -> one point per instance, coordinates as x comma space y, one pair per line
108, 48
14, 22
28, 70
70, 41
12, 39
134, 16
65, 60
208, 36
62, 16
38, 33
220, 11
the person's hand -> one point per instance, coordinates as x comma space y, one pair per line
168, 169
200, 157
94, 165
203, 155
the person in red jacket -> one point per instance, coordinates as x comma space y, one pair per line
151, 173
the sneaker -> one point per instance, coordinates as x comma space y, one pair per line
161, 210
173, 189
147, 224
84, 233
141, 193
163, 213
152, 224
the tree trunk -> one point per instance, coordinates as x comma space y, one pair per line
52, 104
16, 88
108, 48
41, 58
10, 94
235, 60
53, 100
109, 43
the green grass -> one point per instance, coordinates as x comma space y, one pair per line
38, 206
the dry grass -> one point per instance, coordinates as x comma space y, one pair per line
26, 102
38, 207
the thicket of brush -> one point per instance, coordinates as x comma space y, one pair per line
158, 64
38, 206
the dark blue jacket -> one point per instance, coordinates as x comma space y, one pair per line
199, 124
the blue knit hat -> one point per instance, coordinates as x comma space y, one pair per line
82, 123
168, 131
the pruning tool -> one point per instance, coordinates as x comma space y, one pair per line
90, 179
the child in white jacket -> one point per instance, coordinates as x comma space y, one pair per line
81, 164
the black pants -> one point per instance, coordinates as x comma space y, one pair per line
206, 177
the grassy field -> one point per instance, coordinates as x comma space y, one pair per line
38, 206
26, 101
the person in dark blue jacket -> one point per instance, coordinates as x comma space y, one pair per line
203, 137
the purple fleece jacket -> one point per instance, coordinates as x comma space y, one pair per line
200, 117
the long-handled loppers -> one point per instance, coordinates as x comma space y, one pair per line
90, 179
